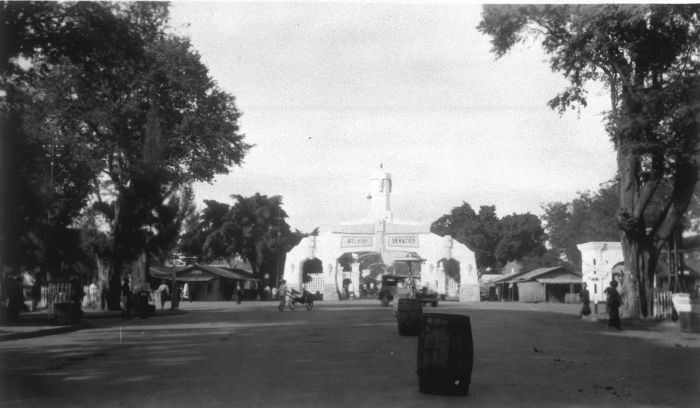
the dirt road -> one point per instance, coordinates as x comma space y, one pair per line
348, 354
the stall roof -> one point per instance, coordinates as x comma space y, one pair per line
561, 279
508, 278
166, 272
561, 275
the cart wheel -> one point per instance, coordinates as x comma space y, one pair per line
309, 305
292, 305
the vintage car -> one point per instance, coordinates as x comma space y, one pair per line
401, 286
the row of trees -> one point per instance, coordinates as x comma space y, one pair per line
106, 119
494, 241
533, 242
648, 58
253, 228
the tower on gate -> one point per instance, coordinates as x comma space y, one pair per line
380, 195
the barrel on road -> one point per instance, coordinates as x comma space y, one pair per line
408, 315
445, 354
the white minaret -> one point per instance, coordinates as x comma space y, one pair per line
379, 195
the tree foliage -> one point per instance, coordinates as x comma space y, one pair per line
127, 112
494, 241
592, 216
477, 231
521, 235
648, 57
253, 228
199, 226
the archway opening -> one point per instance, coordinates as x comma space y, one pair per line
312, 277
452, 272
358, 274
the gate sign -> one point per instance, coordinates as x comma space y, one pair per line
404, 241
350, 241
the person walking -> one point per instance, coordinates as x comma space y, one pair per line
163, 294
186, 293
239, 293
125, 298
13, 294
282, 293
614, 303
585, 300
92, 295
104, 296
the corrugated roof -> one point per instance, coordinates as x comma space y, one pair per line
559, 280
166, 272
508, 278
206, 278
538, 275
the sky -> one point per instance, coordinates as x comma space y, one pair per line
329, 91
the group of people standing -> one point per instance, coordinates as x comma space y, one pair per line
140, 299
613, 303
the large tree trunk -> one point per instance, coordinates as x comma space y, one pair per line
629, 190
642, 240
117, 261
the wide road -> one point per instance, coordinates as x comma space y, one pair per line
347, 354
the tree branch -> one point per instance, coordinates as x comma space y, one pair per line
645, 196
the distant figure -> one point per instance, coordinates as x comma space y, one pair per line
614, 303
14, 296
346, 288
92, 295
143, 296
282, 292
77, 292
239, 293
175, 299
186, 292
585, 300
266, 292
125, 298
104, 296
163, 294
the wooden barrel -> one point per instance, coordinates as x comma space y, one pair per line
408, 316
445, 354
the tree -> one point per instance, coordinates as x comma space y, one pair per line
253, 228
198, 228
477, 231
137, 100
494, 241
592, 216
184, 129
254, 225
648, 58
44, 49
521, 235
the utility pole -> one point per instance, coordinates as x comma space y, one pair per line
277, 252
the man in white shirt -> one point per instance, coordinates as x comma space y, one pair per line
163, 294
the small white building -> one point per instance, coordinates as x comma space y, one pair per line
328, 263
598, 259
